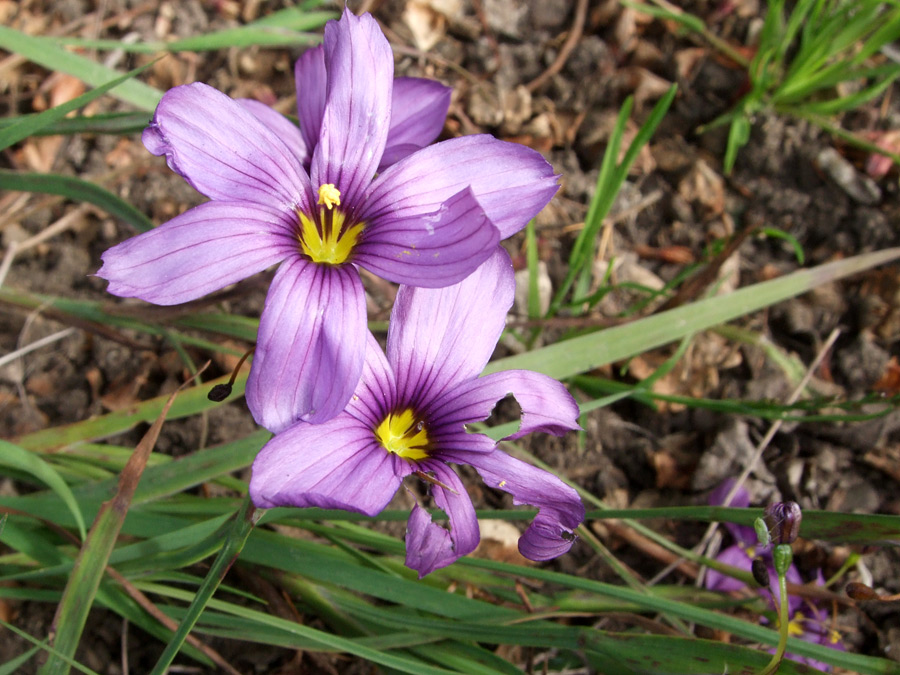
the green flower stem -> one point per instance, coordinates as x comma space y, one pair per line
782, 556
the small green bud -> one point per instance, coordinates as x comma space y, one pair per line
782, 557
762, 532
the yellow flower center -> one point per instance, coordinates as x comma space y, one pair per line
403, 435
328, 239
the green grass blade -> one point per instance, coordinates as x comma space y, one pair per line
103, 123
240, 529
84, 582
77, 190
33, 123
19, 458
584, 353
47, 53
74, 664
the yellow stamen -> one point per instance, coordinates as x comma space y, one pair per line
329, 243
329, 196
795, 625
403, 435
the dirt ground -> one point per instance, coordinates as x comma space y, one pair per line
551, 75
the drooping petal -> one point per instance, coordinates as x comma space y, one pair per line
224, 151
286, 130
418, 110
440, 337
511, 182
430, 546
310, 77
546, 404
202, 250
357, 114
334, 465
311, 345
430, 251
560, 510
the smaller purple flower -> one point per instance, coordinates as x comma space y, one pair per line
409, 416
807, 621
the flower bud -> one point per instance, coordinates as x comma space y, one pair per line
760, 572
783, 519
859, 591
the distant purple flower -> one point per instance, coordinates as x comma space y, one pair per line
409, 415
807, 621
744, 550
311, 199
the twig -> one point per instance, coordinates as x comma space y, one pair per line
37, 344
564, 51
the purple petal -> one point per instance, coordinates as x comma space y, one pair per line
440, 337
311, 345
310, 77
418, 110
743, 534
511, 182
334, 465
202, 250
280, 125
545, 403
357, 113
428, 545
560, 510
375, 394
224, 151
740, 557
430, 251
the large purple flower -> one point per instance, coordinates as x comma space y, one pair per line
409, 415
353, 187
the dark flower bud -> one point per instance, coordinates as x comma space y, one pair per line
783, 519
760, 572
219, 393
859, 591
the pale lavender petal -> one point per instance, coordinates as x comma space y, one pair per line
438, 338
357, 114
743, 534
430, 251
224, 151
286, 130
311, 345
418, 110
737, 557
560, 510
202, 250
311, 77
545, 403
334, 465
429, 546
511, 182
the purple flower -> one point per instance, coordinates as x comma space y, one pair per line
409, 416
744, 550
807, 621
311, 200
